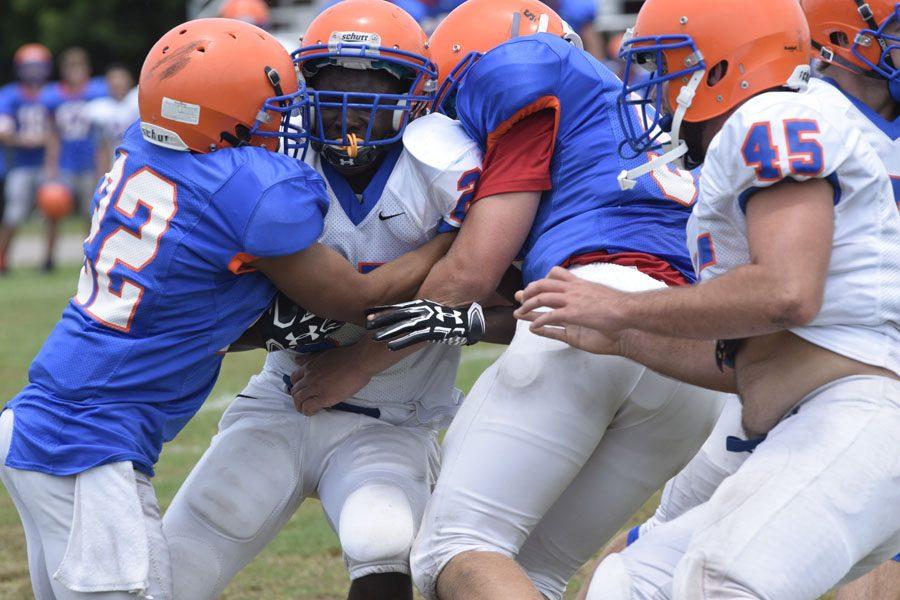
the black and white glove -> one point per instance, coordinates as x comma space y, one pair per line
403, 325
287, 326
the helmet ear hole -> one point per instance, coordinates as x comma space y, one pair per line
839, 38
717, 73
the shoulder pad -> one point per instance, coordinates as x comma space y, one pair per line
436, 142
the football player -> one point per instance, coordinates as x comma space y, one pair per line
862, 70
24, 128
540, 441
392, 185
71, 144
110, 116
197, 222
813, 340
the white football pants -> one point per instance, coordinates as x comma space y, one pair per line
815, 505
83, 531
372, 477
554, 449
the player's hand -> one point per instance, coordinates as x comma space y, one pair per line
583, 338
287, 326
327, 378
572, 301
403, 325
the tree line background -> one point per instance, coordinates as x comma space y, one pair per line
120, 31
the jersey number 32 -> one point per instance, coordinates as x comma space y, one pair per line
114, 302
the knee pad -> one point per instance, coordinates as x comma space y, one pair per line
244, 479
196, 568
611, 580
376, 523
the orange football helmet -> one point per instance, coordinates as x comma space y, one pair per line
851, 33
705, 59
365, 34
211, 83
255, 12
27, 53
477, 26
33, 63
55, 200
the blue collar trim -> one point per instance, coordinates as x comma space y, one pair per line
357, 210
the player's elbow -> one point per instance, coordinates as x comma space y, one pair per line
794, 305
471, 284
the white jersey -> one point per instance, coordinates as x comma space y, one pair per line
110, 118
424, 195
882, 135
779, 135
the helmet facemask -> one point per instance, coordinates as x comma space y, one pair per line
655, 130
887, 36
348, 149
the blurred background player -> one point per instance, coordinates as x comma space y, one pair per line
71, 147
197, 224
255, 12
373, 459
25, 130
816, 365
111, 115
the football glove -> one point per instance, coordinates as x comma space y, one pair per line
287, 326
403, 325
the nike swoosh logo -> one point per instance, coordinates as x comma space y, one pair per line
384, 217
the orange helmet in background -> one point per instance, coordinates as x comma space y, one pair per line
850, 33
365, 35
255, 12
55, 200
705, 59
27, 53
211, 83
477, 26
33, 63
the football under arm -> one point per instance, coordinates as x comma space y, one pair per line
323, 282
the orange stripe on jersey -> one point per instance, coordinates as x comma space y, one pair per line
240, 264
551, 102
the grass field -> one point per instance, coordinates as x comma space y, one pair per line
304, 562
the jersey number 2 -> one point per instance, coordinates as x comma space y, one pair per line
133, 250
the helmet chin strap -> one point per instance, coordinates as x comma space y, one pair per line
676, 148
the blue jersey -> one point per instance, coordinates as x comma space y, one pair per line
69, 110
162, 291
585, 211
29, 117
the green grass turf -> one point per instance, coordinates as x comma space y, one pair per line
303, 562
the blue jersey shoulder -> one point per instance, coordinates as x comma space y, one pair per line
524, 75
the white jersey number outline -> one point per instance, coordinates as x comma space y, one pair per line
132, 250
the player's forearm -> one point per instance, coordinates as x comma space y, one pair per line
499, 325
691, 361
400, 279
748, 301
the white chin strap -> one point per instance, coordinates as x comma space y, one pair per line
675, 148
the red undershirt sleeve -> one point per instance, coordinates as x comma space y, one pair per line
520, 160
